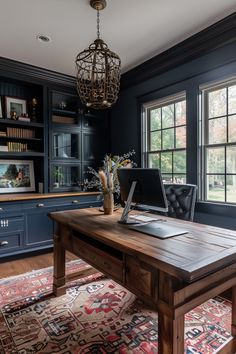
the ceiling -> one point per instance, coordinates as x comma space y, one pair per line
135, 29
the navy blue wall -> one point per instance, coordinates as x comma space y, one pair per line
126, 115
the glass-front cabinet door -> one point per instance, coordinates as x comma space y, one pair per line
66, 145
65, 177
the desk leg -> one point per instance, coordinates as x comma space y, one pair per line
59, 279
170, 335
233, 326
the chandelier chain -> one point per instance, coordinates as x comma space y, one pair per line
98, 24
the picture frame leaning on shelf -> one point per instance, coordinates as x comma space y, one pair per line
17, 176
16, 105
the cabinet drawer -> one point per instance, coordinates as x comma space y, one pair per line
11, 223
96, 256
11, 242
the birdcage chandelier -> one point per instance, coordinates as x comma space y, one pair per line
98, 70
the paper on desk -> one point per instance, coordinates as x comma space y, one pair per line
141, 217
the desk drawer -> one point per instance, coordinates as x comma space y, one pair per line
139, 276
97, 257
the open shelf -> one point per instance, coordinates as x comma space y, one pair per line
7, 121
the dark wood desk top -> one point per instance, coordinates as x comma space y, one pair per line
204, 250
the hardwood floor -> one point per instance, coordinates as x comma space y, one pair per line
28, 264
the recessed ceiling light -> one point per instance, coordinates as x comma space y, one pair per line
43, 38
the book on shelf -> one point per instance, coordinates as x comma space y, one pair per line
3, 148
63, 120
18, 147
3, 133
20, 133
24, 119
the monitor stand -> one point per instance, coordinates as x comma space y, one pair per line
125, 214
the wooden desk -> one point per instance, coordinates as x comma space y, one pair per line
173, 275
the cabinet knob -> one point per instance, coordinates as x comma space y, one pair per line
40, 205
3, 243
75, 201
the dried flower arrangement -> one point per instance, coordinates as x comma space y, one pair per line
106, 179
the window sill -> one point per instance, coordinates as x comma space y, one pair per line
228, 210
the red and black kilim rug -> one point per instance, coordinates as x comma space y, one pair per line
95, 316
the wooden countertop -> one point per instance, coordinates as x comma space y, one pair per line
29, 196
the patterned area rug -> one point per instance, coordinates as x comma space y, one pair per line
96, 316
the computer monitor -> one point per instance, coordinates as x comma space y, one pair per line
144, 187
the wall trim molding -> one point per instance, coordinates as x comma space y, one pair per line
26, 72
215, 36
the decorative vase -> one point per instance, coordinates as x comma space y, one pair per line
108, 203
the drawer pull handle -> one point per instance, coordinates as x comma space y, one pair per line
3, 243
40, 205
4, 223
75, 201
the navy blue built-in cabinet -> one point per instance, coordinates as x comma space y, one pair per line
59, 137
25, 225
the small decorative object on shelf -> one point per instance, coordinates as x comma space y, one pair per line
34, 103
62, 105
106, 179
13, 115
58, 176
24, 117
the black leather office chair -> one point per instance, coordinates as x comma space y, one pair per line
181, 200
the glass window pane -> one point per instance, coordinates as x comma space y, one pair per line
167, 178
154, 161
180, 137
217, 130
215, 160
232, 129
217, 103
231, 189
180, 113
155, 141
167, 139
168, 116
231, 159
166, 162
180, 178
232, 99
215, 188
155, 119
179, 163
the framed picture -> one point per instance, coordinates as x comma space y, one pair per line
1, 107
17, 105
16, 176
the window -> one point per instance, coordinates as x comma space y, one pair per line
218, 143
164, 137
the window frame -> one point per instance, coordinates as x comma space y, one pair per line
203, 143
146, 130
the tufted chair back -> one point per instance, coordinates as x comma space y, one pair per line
181, 200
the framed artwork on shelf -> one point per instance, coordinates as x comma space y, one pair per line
0, 107
16, 176
15, 107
